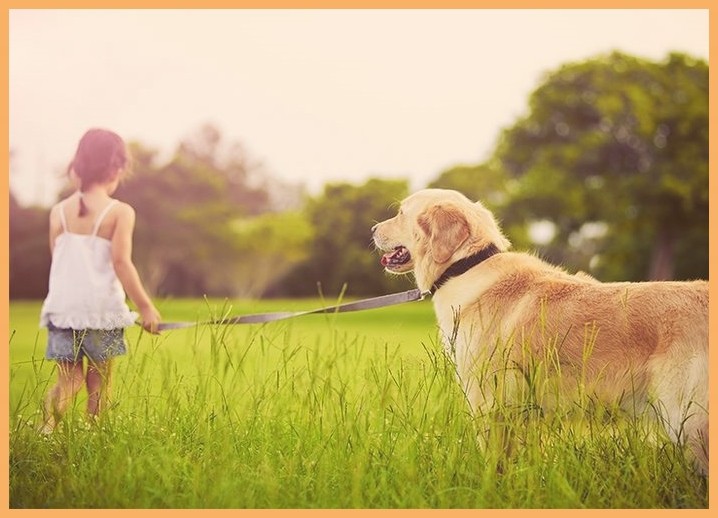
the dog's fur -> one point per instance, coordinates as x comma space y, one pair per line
640, 345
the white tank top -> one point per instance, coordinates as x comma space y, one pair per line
84, 291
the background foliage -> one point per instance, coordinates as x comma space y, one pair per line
607, 172
621, 142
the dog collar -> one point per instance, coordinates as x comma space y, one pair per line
464, 265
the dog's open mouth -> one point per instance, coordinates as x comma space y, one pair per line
396, 259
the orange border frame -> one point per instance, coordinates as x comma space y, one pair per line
403, 4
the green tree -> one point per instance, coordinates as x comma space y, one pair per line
245, 180
29, 251
270, 246
184, 241
614, 152
482, 182
205, 219
342, 252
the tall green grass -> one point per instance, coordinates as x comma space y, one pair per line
359, 410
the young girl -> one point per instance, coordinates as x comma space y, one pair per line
91, 274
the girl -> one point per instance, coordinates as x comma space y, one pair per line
91, 274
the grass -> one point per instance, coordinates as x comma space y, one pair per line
358, 410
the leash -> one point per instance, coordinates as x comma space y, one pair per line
458, 268
260, 318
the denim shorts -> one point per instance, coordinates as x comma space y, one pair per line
98, 345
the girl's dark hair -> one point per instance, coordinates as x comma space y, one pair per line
99, 155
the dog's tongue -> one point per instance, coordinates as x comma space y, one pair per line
399, 255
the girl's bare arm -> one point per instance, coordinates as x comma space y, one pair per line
125, 268
55, 226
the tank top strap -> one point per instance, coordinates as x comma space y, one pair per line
63, 221
102, 215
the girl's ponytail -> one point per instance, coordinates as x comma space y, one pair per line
83, 208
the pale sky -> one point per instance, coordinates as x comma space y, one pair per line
315, 95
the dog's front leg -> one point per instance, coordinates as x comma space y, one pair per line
489, 390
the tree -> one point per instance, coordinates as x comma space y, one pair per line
184, 241
620, 144
342, 253
270, 246
482, 182
29, 251
245, 180
205, 219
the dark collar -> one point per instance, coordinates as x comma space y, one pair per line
464, 265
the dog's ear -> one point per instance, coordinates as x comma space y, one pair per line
447, 230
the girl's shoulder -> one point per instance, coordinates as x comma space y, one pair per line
121, 215
55, 210
122, 209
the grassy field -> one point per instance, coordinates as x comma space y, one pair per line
357, 410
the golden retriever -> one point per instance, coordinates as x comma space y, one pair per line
640, 345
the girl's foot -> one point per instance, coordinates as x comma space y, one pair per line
46, 428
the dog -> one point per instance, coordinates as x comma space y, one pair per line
641, 345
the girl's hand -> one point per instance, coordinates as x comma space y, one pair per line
150, 319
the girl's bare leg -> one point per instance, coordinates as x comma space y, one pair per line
69, 382
98, 386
